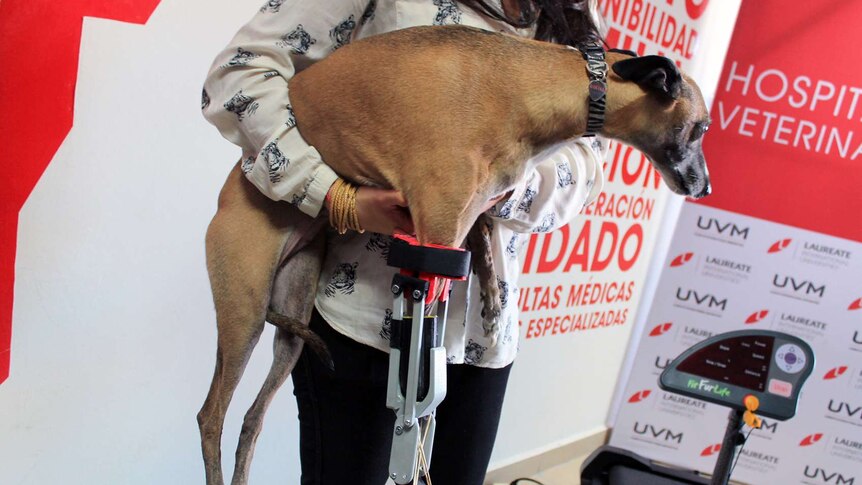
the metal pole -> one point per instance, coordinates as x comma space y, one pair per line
721, 473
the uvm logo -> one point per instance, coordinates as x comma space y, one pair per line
640, 396
811, 439
700, 302
681, 259
727, 232
800, 289
658, 434
823, 476
845, 412
779, 245
661, 363
756, 317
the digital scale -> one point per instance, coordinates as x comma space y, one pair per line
748, 371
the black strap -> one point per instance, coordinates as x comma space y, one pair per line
597, 70
451, 263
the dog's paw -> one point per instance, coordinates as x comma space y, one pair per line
491, 324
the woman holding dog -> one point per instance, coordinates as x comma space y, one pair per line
345, 427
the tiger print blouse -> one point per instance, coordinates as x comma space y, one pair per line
246, 97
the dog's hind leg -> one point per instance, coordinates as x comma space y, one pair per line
292, 302
243, 244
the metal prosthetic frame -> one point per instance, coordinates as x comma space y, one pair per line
417, 359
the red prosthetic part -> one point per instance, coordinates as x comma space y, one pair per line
433, 279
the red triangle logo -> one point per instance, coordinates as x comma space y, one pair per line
779, 245
660, 329
640, 396
711, 450
681, 259
811, 439
856, 305
756, 317
836, 372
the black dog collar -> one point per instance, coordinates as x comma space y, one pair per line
597, 69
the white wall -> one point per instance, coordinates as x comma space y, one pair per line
114, 336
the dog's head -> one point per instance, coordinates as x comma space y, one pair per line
661, 112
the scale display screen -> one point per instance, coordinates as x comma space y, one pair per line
741, 361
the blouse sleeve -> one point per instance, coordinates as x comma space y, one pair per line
246, 94
566, 178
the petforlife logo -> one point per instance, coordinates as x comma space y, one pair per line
704, 385
778, 246
756, 317
681, 260
811, 439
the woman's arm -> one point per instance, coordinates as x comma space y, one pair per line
246, 93
563, 182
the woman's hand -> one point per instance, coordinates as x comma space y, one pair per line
383, 211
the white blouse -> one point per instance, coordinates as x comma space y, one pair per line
246, 97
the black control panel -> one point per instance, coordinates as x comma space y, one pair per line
726, 368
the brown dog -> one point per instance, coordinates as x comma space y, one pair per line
379, 112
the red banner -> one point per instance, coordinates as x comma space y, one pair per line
785, 143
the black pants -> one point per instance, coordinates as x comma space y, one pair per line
346, 429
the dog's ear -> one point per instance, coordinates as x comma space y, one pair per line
655, 73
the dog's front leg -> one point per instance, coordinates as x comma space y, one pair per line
479, 239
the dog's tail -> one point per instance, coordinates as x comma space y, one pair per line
296, 328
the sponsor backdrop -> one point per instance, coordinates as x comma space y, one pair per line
582, 285
778, 247
112, 176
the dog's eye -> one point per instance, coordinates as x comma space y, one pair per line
698, 131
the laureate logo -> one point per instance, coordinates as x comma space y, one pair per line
705, 303
640, 396
681, 260
756, 317
855, 305
797, 288
824, 255
847, 448
819, 476
660, 436
706, 385
717, 230
682, 406
811, 439
725, 269
779, 246
845, 412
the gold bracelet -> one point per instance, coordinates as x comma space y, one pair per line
342, 210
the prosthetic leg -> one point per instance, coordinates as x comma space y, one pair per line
417, 358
